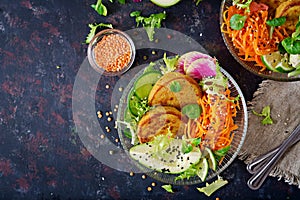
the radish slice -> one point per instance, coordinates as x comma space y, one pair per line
202, 68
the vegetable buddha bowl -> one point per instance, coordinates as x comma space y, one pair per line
111, 52
263, 36
182, 120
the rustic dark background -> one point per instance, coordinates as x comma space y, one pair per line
41, 50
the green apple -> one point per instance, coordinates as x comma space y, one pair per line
165, 3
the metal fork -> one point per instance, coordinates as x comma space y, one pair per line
263, 165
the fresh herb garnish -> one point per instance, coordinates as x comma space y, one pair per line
186, 147
292, 44
222, 152
168, 188
122, 1
93, 28
170, 64
237, 21
197, 2
149, 23
100, 8
196, 141
190, 172
175, 86
275, 22
242, 5
266, 112
193, 111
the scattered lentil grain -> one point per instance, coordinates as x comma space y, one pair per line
131, 174
144, 176
149, 189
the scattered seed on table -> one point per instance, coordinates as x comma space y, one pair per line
102, 136
131, 174
153, 184
144, 176
109, 119
116, 140
149, 189
107, 86
107, 113
145, 57
110, 113
153, 52
120, 89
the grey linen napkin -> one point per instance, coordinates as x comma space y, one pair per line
283, 98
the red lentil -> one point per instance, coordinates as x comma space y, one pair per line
112, 52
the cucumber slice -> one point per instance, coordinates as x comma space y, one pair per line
133, 103
165, 3
145, 82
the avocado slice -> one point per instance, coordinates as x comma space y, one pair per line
172, 160
165, 3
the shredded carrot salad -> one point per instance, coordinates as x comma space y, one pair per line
215, 125
253, 40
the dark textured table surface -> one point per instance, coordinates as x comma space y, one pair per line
41, 52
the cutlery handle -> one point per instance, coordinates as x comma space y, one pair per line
258, 178
260, 161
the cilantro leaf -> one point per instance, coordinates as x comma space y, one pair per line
266, 113
149, 23
93, 28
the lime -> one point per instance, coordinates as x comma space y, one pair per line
283, 66
202, 168
271, 60
210, 158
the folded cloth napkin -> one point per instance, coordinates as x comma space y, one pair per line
283, 99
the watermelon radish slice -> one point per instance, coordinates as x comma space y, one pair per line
201, 68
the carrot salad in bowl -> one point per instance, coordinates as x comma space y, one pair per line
265, 32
